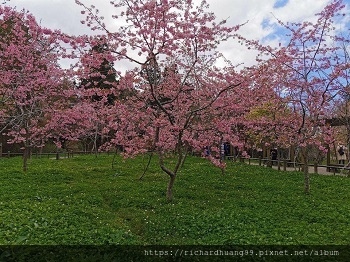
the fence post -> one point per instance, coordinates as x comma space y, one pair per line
8, 154
285, 165
279, 165
315, 168
259, 160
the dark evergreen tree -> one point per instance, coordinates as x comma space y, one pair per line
103, 77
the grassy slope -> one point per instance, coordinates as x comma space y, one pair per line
84, 201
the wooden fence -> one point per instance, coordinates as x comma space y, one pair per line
56, 155
288, 165
282, 165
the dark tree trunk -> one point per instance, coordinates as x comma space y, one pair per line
181, 156
172, 177
269, 158
306, 171
171, 173
147, 166
169, 192
306, 181
26, 156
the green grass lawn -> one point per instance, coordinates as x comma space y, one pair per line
82, 200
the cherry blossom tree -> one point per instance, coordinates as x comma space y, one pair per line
311, 71
340, 113
99, 82
270, 120
30, 78
177, 89
88, 100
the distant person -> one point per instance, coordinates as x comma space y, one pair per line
207, 151
227, 149
273, 154
341, 154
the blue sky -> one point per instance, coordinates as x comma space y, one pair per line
280, 3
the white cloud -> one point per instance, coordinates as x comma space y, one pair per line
299, 10
55, 14
260, 14
262, 21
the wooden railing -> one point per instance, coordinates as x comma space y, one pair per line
280, 164
57, 155
287, 165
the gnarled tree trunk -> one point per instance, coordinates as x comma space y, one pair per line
169, 192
